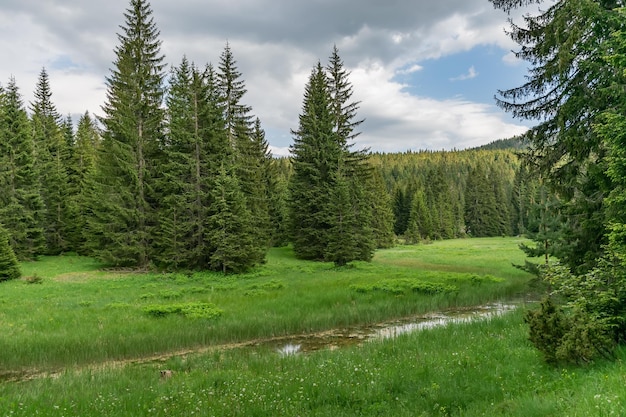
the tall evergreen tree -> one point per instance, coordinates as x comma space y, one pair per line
315, 157
323, 166
21, 206
51, 153
197, 145
81, 169
230, 225
564, 93
123, 204
420, 223
382, 211
239, 121
483, 215
248, 140
401, 210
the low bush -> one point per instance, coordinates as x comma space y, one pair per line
189, 310
402, 286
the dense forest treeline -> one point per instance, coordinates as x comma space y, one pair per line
180, 177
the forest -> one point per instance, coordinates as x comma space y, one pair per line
176, 175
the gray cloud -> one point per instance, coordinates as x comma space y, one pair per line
276, 42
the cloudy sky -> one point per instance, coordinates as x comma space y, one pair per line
425, 72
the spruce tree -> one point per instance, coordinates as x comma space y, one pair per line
81, 169
545, 226
123, 203
230, 227
565, 45
197, 145
382, 211
323, 166
21, 206
482, 215
232, 88
419, 226
51, 154
9, 267
343, 242
315, 157
248, 141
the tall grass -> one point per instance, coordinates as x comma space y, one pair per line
80, 314
485, 368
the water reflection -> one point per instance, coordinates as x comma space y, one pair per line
334, 339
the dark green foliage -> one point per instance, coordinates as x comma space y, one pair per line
486, 209
251, 150
9, 266
566, 89
547, 327
188, 310
420, 224
330, 213
590, 317
21, 206
122, 201
382, 211
440, 181
544, 226
342, 242
81, 168
402, 202
196, 146
230, 227
51, 156
403, 286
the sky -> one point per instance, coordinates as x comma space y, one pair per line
425, 72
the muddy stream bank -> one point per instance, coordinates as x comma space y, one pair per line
303, 343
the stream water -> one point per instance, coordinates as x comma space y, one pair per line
334, 339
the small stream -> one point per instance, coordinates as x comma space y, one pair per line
337, 338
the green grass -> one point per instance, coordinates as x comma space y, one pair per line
485, 368
79, 314
96, 331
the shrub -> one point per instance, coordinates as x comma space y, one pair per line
189, 310
589, 319
34, 279
402, 286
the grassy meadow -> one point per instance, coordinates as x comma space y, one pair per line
84, 341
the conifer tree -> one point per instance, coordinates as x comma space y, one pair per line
230, 227
123, 202
544, 226
9, 267
315, 157
21, 206
483, 217
197, 146
81, 169
565, 45
382, 213
248, 141
420, 224
323, 166
232, 88
342, 243
401, 210
51, 154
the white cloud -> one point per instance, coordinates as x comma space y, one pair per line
276, 43
396, 120
410, 70
471, 73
